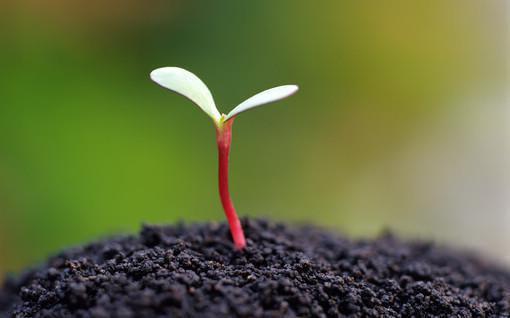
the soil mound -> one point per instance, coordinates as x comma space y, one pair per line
193, 271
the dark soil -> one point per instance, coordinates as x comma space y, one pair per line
193, 271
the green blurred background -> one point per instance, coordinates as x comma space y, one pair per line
401, 120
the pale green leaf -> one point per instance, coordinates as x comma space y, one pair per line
189, 85
262, 98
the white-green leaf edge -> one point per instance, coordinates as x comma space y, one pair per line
189, 85
268, 96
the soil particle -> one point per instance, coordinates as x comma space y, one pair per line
193, 271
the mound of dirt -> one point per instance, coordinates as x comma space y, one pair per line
193, 271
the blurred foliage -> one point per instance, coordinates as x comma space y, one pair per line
89, 146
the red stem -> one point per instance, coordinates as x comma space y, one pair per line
224, 140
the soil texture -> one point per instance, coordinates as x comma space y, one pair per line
193, 271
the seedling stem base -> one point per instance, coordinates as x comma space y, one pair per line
224, 140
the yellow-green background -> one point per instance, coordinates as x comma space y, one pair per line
399, 123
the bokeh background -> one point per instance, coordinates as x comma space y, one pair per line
401, 122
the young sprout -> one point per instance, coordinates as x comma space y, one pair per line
190, 86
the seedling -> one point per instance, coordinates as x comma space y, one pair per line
190, 86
